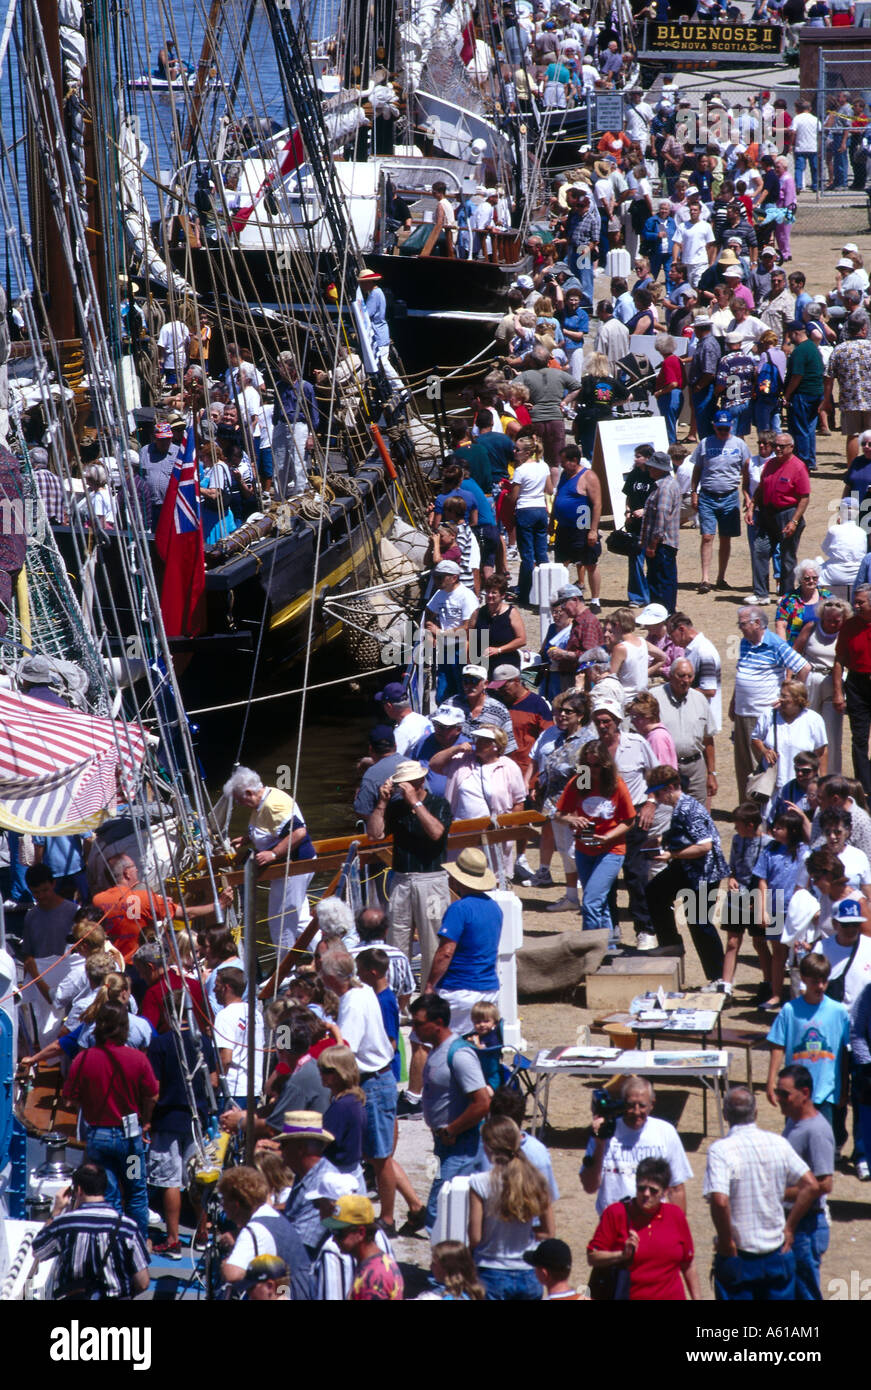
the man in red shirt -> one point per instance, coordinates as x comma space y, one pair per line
149, 965
586, 628
127, 907
116, 1089
781, 501
853, 654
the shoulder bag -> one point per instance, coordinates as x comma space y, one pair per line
761, 785
611, 1284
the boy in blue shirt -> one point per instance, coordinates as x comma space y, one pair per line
814, 1031
372, 968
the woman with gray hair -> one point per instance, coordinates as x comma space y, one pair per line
816, 643
668, 388
276, 833
799, 605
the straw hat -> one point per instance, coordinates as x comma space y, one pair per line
304, 1124
472, 870
727, 257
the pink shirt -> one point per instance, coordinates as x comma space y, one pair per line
662, 744
742, 292
506, 787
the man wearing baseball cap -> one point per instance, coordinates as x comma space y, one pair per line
156, 462
450, 614
479, 709
803, 392
447, 721
702, 371
378, 1278
718, 462
410, 727
265, 1280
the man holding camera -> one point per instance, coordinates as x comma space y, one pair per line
99, 1253
622, 1138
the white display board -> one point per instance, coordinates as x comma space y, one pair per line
614, 456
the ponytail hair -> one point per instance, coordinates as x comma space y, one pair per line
110, 991
111, 1024
518, 1192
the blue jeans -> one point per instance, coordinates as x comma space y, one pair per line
704, 407
455, 1160
510, 1285
775, 558
810, 1244
636, 589
812, 162
840, 166
662, 576
596, 873
449, 681
110, 1148
742, 419
266, 464
864, 1130
18, 889
380, 1093
669, 409
532, 525
802, 417
755, 1278
766, 410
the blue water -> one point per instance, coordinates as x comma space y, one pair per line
162, 116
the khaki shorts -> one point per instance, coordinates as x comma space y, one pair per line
855, 421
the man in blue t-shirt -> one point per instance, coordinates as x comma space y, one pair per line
813, 1031
499, 448
463, 969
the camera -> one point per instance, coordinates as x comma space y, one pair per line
610, 1108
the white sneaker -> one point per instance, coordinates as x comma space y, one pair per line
719, 987
645, 941
564, 905
154, 1218
863, 1173
759, 600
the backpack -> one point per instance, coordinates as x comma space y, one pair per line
768, 380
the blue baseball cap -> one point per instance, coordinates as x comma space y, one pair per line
847, 910
721, 419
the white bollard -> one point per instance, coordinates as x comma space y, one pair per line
546, 581
510, 941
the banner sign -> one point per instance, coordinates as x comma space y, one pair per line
713, 39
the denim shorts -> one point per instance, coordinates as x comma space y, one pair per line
380, 1092
719, 513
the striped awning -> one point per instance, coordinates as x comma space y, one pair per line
61, 770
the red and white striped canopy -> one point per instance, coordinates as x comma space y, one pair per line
59, 768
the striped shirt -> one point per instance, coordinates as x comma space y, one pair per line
334, 1273
753, 1168
95, 1248
661, 519
51, 493
760, 671
399, 976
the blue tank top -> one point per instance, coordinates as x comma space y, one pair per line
567, 502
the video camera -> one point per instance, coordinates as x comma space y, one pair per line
610, 1108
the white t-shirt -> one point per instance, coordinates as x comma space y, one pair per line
449, 610
859, 973
708, 673
693, 238
410, 731
474, 794
362, 1026
174, 337
257, 1242
806, 133
805, 734
532, 478
624, 1152
231, 1030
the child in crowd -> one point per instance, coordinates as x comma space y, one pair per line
777, 870
795, 795
486, 1036
742, 904
683, 471
654, 620
372, 968
524, 337
837, 827
454, 512
815, 1031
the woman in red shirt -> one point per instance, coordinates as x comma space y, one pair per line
597, 805
648, 1239
669, 385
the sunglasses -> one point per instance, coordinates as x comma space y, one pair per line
653, 1191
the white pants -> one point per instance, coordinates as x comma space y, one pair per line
462, 1001
288, 453
53, 969
289, 911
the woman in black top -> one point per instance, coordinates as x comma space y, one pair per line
600, 392
499, 629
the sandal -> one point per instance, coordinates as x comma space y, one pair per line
704, 589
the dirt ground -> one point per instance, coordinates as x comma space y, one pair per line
556, 1023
